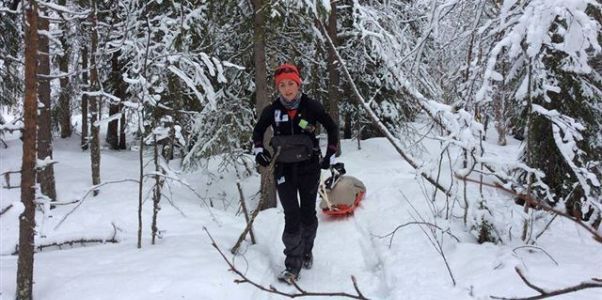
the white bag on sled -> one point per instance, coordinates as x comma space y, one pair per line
342, 196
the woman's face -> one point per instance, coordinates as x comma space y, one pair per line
288, 89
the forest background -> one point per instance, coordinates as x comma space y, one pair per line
443, 82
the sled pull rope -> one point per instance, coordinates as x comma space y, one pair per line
323, 193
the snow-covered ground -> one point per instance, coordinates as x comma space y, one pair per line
184, 265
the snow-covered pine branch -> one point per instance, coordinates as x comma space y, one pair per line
576, 31
567, 134
559, 92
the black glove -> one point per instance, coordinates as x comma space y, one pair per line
340, 168
263, 158
325, 163
337, 170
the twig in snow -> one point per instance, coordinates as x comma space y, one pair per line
43, 200
244, 210
7, 179
273, 290
4, 210
438, 245
91, 190
173, 204
392, 234
593, 283
545, 228
538, 248
187, 186
95, 187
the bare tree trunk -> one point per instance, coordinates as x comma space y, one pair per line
141, 114
529, 159
347, 128
64, 96
94, 101
120, 92
333, 71
267, 180
122, 124
86, 84
46, 175
27, 220
112, 129
156, 192
499, 108
141, 172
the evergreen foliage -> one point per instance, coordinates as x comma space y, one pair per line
184, 76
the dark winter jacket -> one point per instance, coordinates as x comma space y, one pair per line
307, 115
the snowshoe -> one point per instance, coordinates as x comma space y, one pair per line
308, 261
288, 276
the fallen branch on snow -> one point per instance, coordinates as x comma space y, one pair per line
538, 204
273, 290
81, 241
593, 283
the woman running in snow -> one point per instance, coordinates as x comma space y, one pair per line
294, 117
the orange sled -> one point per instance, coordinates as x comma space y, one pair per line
344, 209
340, 194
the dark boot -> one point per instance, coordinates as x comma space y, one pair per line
308, 261
288, 276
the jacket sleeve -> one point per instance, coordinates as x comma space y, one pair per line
260, 128
331, 128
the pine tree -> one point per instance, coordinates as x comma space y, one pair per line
28, 194
550, 73
114, 108
45, 175
85, 138
94, 101
268, 191
333, 70
64, 94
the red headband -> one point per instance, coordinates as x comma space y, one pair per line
287, 71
